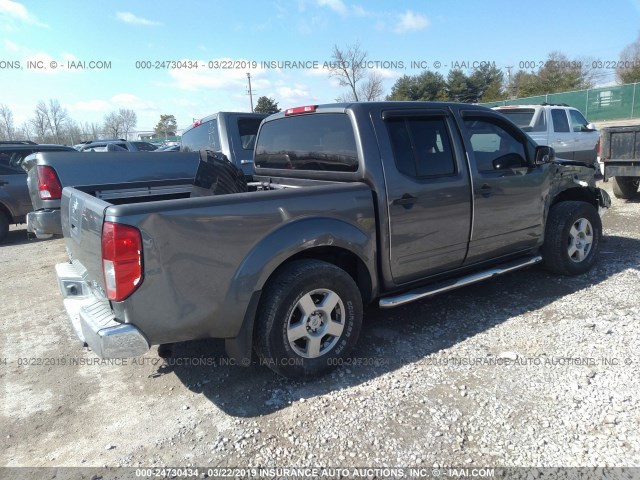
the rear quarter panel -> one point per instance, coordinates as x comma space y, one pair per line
205, 257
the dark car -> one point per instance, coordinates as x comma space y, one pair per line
15, 202
168, 148
117, 145
231, 133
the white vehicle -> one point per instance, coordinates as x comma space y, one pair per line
559, 126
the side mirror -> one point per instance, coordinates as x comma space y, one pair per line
544, 155
590, 127
510, 160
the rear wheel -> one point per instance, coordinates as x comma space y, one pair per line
572, 238
308, 320
4, 226
625, 187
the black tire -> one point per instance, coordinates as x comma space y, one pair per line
625, 187
281, 307
568, 250
4, 226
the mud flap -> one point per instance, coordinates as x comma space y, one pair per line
240, 348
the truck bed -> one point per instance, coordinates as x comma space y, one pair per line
185, 240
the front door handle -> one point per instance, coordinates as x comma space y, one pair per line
2, 182
405, 200
485, 190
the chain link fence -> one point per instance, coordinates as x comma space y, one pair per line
617, 102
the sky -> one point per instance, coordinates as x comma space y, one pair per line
97, 57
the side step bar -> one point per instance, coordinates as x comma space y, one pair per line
430, 290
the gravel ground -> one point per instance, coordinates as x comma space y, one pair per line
528, 369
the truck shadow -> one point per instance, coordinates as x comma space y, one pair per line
18, 236
392, 339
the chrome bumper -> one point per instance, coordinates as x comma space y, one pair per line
44, 223
93, 321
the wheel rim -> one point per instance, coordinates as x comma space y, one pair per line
580, 240
316, 323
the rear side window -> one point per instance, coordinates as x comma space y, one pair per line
560, 122
323, 142
11, 161
524, 118
421, 146
145, 146
204, 136
248, 129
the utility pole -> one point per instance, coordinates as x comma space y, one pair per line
250, 91
509, 86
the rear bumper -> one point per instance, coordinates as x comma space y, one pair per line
614, 168
44, 223
93, 320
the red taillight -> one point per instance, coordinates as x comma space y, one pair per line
121, 259
48, 184
298, 110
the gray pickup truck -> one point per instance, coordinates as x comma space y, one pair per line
116, 176
14, 194
620, 153
351, 203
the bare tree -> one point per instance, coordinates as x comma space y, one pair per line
57, 118
25, 130
113, 124
6, 122
40, 122
372, 89
349, 67
129, 121
95, 130
72, 133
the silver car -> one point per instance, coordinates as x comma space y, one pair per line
559, 126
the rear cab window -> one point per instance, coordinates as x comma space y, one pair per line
322, 142
204, 136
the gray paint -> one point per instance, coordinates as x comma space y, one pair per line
206, 258
93, 171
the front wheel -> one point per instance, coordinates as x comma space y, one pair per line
572, 238
308, 320
625, 187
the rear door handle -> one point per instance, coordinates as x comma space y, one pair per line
405, 200
485, 190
